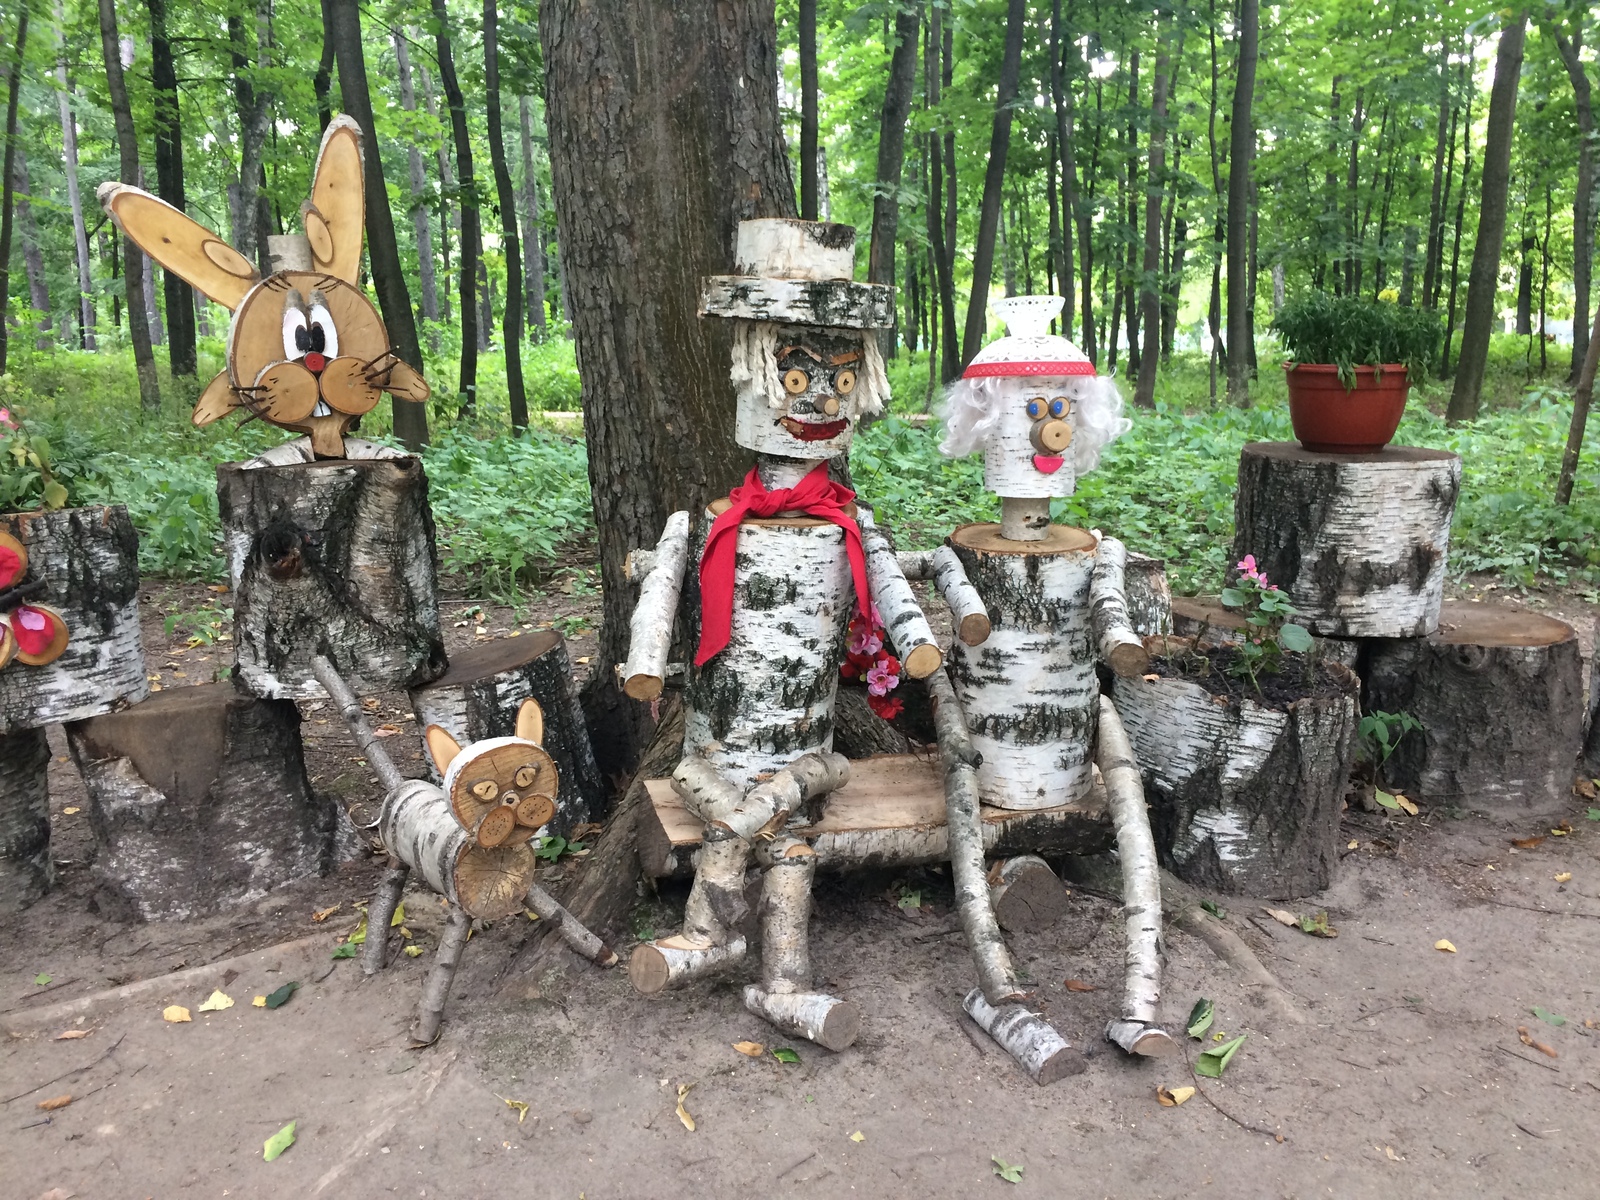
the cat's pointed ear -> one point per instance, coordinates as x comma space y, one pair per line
186, 248
530, 722
442, 748
335, 216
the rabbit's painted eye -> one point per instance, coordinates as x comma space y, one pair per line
296, 339
1036, 407
324, 337
1059, 406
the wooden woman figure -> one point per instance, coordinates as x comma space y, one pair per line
1032, 403
785, 562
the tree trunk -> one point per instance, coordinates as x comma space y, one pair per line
8, 200
511, 326
255, 113
1130, 192
33, 254
322, 81
1063, 236
808, 110
664, 133
1499, 693
1582, 397
1219, 210
533, 242
994, 182
1484, 278
27, 869
466, 191
1461, 211
891, 158
1241, 164
944, 285
421, 227
383, 251
1571, 49
1151, 284
1437, 202
169, 185
69, 164
1591, 741
447, 213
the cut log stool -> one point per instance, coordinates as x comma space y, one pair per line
1358, 541
1499, 693
199, 802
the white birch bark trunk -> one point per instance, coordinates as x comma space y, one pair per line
1042, 1052
420, 223
967, 610
420, 829
27, 870
908, 629
831, 1023
1120, 647
1149, 596
533, 239
767, 806
675, 961
655, 617
69, 162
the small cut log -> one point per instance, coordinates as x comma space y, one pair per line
768, 805
674, 961
1358, 541
908, 630
571, 930
27, 871
88, 561
1149, 596
831, 1023
656, 615
1120, 647
1499, 693
334, 557
968, 613
1027, 1037
1025, 894
199, 802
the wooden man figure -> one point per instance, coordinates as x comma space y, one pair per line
785, 562
1032, 403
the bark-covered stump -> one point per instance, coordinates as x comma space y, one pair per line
478, 698
1591, 742
26, 868
199, 802
1244, 799
1194, 616
88, 560
1358, 541
333, 557
1499, 693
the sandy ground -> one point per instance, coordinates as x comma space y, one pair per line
1407, 1077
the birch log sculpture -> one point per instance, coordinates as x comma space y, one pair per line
902, 617
479, 697
27, 870
199, 802
1246, 798
332, 558
1499, 693
1120, 647
1358, 541
968, 613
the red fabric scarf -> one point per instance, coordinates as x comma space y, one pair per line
815, 496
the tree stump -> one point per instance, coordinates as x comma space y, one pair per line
1358, 541
199, 802
1499, 692
1591, 742
88, 559
26, 869
478, 698
1244, 799
334, 557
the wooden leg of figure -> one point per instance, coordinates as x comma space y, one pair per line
437, 988
709, 940
379, 913
1043, 1053
572, 930
1138, 1030
26, 869
1026, 894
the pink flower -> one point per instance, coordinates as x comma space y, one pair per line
1249, 570
881, 680
865, 641
6, 418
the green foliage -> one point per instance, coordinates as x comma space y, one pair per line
1350, 332
1380, 733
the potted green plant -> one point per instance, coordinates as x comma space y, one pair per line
1351, 362
1246, 743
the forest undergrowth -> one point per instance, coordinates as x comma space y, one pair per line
513, 511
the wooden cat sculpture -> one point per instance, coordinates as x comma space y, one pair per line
306, 350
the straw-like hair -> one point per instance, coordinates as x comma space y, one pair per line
972, 409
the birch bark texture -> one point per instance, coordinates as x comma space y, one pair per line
420, 829
1591, 741
27, 870
1358, 541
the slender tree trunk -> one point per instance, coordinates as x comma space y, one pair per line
1437, 202
1582, 395
533, 242
1151, 284
32, 253
1085, 218
169, 185
69, 164
808, 109
254, 107
1241, 159
1461, 211
892, 155
322, 81
449, 216
470, 251
994, 181
1219, 210
1131, 287
1484, 278
1544, 276
1430, 298
511, 327
133, 260
944, 284
1571, 49
8, 199
947, 69
422, 228
1064, 234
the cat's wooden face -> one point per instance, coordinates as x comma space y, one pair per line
503, 790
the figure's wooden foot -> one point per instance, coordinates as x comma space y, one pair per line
826, 1020
1042, 1052
1138, 1037
674, 961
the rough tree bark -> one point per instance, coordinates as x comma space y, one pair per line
33, 254
1241, 163
808, 109
1582, 398
69, 165
1484, 278
470, 248
1571, 50
665, 132
533, 229
1150, 286
246, 204
27, 868
1437, 201
892, 155
8, 183
421, 227
169, 185
511, 322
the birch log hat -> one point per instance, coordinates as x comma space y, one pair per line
1032, 402
806, 363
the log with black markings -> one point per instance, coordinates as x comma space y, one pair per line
27, 870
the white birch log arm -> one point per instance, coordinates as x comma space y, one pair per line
890, 814
436, 990
333, 557
656, 615
1025, 894
1029, 691
908, 629
1149, 596
199, 802
1358, 541
572, 930
1120, 647
831, 1023
1499, 692
967, 610
1591, 743
88, 560
1196, 616
380, 912
478, 698
419, 828
705, 793
1138, 1030
1244, 799
766, 807
1042, 1052
27, 870
767, 697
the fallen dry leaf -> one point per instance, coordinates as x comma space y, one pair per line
750, 1049
1354, 845
1529, 1040
55, 1102
57, 1194
1172, 1097
683, 1113
1527, 843
1283, 917
1150, 678
1585, 788
177, 1014
1388, 1152
72, 811
1446, 945
73, 1034
520, 1105
1564, 877
217, 1001
1078, 985
413, 950
1406, 803
386, 731
858, 1136
259, 1002
322, 914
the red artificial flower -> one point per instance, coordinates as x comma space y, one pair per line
887, 707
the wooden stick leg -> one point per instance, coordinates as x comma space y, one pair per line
1136, 1037
674, 961
826, 1020
379, 913
437, 989
571, 929
1042, 1052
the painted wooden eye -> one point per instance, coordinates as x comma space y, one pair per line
1060, 406
795, 381
844, 382
295, 339
1036, 407
322, 329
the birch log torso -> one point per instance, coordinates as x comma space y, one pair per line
1029, 692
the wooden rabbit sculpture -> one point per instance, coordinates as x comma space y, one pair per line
306, 350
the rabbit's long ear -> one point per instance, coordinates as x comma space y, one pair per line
188, 249
336, 213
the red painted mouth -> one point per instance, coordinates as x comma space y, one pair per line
818, 432
315, 362
1047, 464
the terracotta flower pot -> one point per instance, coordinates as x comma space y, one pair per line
1330, 420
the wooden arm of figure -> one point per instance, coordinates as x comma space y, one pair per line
950, 577
1119, 646
650, 630
907, 628
765, 808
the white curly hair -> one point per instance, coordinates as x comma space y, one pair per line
972, 408
755, 367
